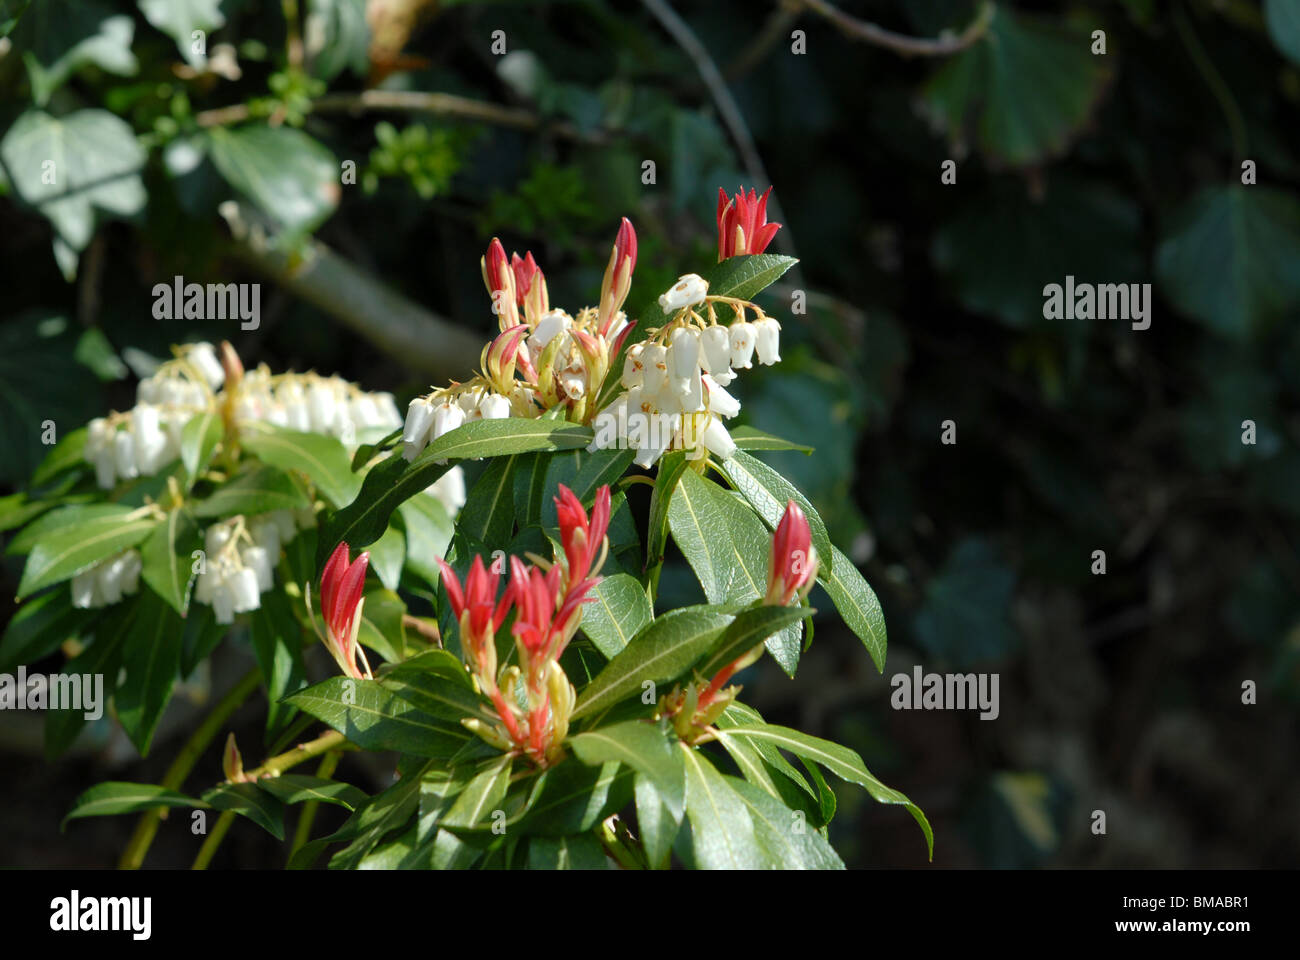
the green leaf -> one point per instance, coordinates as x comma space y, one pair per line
277, 646
768, 493
69, 550
248, 801
168, 557
619, 610
841, 761
1229, 259
580, 852
728, 547
58, 37
201, 635
114, 797
530, 487
749, 629
646, 748
857, 604
180, 18
260, 490
61, 518
102, 657
38, 628
1033, 84
748, 438
481, 797
323, 459
291, 788
289, 175
10, 13
573, 798
721, 832
656, 825
489, 512
339, 37
378, 718
1283, 20
387, 555
583, 473
69, 167
670, 472
151, 659
394, 481
68, 454
199, 438
785, 840
384, 813
381, 624
662, 651
428, 533
367, 451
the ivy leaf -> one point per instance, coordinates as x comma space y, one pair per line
67, 168
58, 37
646, 748
114, 797
662, 651
1229, 259
1033, 86
69, 550
180, 18
619, 611
289, 175
323, 459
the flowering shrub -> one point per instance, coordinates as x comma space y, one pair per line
550, 713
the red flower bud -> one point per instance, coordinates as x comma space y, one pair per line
341, 585
742, 224
792, 567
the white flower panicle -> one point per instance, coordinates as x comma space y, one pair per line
240, 555
428, 418
674, 383
108, 581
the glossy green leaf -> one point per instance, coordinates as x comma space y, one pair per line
580, 852
618, 611
477, 804
387, 556
786, 841
720, 832
643, 746
260, 490
116, 797
323, 459
60, 518
291, 788
69, 550
102, 657
199, 438
748, 438
378, 718
839, 760
168, 557
68, 454
749, 629
662, 651
489, 512
768, 493
656, 826
428, 534
58, 37
248, 801
151, 659
38, 628
857, 604
381, 624
277, 646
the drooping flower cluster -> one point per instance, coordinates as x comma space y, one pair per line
240, 554
674, 381
108, 581
542, 356
791, 573
533, 699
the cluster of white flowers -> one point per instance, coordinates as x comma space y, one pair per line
675, 383
107, 581
428, 418
311, 403
240, 555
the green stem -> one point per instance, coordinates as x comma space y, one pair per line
147, 826
326, 770
213, 841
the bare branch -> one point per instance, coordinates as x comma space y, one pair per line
857, 29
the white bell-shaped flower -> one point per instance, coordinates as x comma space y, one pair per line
633, 372
83, 589
715, 350
557, 321
654, 363
494, 407
689, 290
742, 344
243, 589
256, 559
124, 456
204, 358
720, 402
415, 432
684, 353
716, 438
767, 341
223, 603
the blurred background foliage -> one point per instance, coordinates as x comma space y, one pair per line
354, 156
